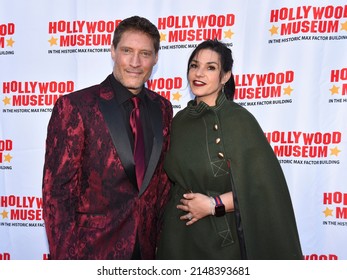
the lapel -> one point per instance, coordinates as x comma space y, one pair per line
155, 115
115, 123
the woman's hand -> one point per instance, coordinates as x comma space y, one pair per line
196, 205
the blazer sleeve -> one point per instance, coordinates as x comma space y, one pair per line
61, 176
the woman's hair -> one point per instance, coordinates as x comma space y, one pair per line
226, 61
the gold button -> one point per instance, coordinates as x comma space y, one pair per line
217, 140
215, 127
220, 155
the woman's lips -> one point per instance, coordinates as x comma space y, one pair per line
198, 83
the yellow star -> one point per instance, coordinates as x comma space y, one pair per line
335, 151
288, 90
334, 90
4, 214
6, 100
228, 34
10, 42
162, 37
344, 26
8, 158
328, 212
53, 41
176, 96
273, 30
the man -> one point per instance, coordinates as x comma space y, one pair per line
93, 206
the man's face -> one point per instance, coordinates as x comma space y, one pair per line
134, 59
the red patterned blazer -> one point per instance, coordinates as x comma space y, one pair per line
92, 207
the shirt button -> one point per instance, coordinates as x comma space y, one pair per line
217, 140
215, 127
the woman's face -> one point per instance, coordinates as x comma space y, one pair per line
204, 76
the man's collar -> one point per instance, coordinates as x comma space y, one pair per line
122, 93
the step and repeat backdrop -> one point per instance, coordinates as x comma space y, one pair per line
290, 71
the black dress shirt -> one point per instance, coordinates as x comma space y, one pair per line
123, 96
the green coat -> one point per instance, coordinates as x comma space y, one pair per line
263, 224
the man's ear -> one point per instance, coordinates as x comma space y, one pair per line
156, 58
113, 52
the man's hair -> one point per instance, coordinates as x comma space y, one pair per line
138, 24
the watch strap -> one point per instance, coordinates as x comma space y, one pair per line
220, 207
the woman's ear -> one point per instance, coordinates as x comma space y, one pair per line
226, 77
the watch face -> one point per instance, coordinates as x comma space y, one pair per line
220, 210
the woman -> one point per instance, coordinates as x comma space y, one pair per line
229, 198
